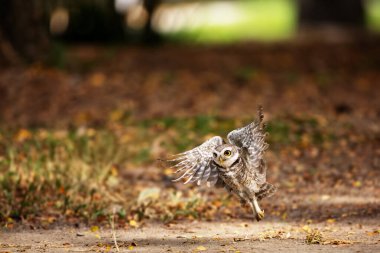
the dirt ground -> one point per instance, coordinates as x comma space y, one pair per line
355, 228
234, 236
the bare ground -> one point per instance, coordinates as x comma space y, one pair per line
353, 226
234, 236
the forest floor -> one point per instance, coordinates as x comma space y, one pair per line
79, 143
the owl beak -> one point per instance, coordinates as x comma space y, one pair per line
221, 160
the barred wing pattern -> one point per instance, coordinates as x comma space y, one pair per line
251, 139
197, 164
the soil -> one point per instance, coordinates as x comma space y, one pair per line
233, 236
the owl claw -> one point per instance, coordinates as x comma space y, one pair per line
260, 215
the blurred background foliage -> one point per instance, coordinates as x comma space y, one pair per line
154, 21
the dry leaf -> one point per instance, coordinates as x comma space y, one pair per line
201, 248
94, 228
133, 223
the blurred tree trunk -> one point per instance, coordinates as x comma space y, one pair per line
151, 36
23, 34
347, 13
93, 20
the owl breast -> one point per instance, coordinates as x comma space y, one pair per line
239, 177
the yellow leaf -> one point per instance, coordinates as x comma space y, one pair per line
116, 115
357, 184
114, 171
306, 228
51, 219
130, 247
94, 228
22, 135
375, 232
133, 223
330, 221
97, 236
201, 248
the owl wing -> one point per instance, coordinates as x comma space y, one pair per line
251, 140
197, 164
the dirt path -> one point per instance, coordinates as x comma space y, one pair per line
234, 236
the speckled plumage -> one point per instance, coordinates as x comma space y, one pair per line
238, 165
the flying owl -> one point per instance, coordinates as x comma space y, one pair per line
238, 164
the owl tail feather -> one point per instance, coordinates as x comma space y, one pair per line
266, 190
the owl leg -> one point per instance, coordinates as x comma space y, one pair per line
258, 211
253, 210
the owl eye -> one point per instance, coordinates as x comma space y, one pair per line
215, 155
227, 153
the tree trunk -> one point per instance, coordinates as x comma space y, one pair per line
23, 33
151, 36
346, 13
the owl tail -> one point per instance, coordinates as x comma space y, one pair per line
266, 190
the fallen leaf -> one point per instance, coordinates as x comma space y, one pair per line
373, 233
97, 79
330, 221
336, 242
201, 248
94, 229
22, 135
133, 223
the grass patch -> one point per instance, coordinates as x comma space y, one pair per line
58, 172
79, 172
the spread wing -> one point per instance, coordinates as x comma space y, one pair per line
251, 140
197, 165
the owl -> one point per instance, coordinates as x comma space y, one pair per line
238, 165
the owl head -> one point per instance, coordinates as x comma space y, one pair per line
225, 155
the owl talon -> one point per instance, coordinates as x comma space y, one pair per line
260, 215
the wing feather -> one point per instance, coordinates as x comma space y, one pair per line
251, 139
213, 178
198, 163
205, 176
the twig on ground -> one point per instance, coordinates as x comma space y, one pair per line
113, 230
